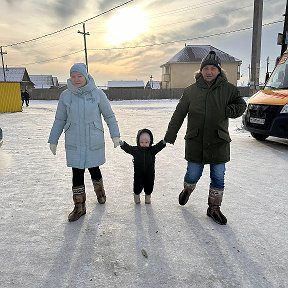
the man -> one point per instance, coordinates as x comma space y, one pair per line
208, 103
26, 97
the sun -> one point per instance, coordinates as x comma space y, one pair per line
126, 25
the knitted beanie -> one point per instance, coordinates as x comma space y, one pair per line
211, 59
81, 68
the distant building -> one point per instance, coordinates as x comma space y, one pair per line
179, 71
152, 84
17, 74
42, 81
55, 81
137, 84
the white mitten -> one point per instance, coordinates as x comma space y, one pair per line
116, 141
53, 148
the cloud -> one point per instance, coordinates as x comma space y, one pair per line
66, 10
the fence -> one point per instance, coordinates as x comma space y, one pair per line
123, 94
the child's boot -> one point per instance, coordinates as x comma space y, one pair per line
147, 199
99, 190
79, 198
137, 198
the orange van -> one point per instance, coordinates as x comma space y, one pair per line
267, 110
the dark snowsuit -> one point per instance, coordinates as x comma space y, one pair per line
144, 163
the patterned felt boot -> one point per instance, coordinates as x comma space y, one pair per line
79, 198
186, 192
147, 199
137, 198
99, 190
214, 203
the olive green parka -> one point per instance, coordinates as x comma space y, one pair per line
207, 138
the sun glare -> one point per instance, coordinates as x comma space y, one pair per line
126, 25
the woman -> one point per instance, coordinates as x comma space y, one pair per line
79, 113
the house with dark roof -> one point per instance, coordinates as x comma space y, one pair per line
180, 70
16, 74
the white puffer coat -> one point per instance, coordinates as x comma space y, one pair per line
79, 113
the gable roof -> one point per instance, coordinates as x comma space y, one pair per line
195, 53
42, 81
125, 84
13, 74
154, 84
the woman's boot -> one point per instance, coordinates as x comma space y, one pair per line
186, 192
214, 202
79, 198
99, 190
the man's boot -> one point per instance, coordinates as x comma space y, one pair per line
186, 192
79, 198
99, 190
214, 202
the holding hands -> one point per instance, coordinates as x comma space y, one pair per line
116, 141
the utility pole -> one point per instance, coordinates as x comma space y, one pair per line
249, 73
85, 48
1, 52
285, 31
256, 46
151, 82
267, 70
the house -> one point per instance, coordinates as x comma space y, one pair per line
153, 84
137, 84
179, 71
55, 81
16, 74
42, 81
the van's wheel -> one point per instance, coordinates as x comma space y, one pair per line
259, 137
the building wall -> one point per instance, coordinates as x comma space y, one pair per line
10, 97
181, 75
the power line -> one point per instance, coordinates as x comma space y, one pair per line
152, 44
71, 26
48, 60
181, 40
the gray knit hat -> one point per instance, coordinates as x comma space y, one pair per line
211, 59
81, 68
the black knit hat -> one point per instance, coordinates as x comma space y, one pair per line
211, 59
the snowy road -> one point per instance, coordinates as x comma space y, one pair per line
39, 248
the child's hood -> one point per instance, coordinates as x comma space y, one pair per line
145, 130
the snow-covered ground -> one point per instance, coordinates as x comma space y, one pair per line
40, 248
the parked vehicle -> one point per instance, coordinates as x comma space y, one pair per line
267, 110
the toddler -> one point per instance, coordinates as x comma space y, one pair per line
144, 163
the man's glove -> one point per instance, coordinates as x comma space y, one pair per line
116, 141
53, 148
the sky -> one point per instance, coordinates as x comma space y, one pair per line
130, 40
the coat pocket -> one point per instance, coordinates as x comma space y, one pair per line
70, 136
96, 136
191, 134
224, 135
